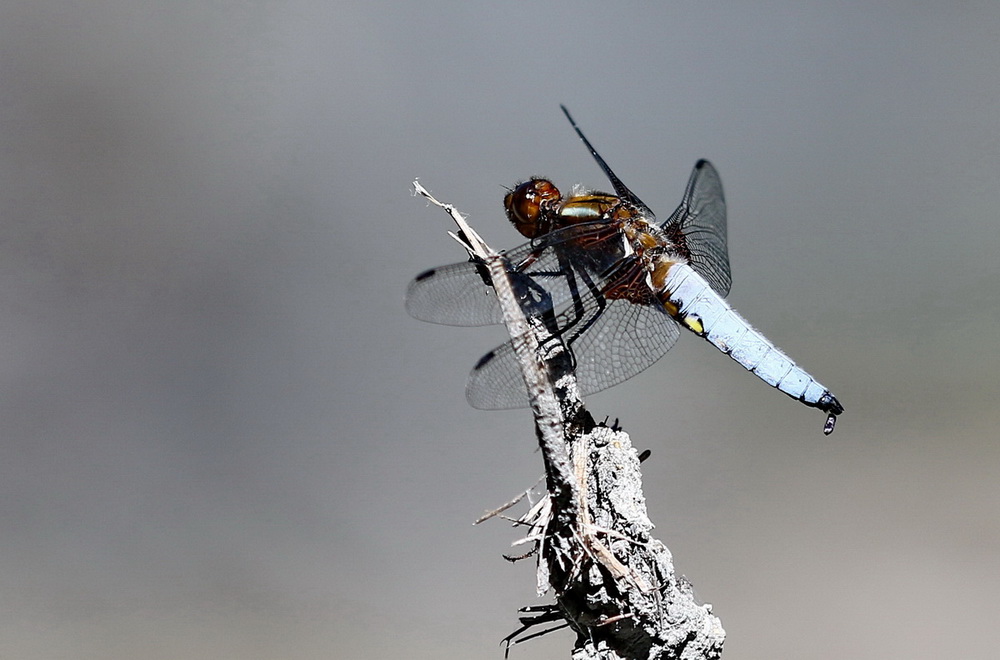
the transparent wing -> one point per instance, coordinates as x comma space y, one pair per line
621, 189
453, 295
459, 294
698, 227
623, 340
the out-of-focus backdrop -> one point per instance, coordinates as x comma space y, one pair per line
222, 437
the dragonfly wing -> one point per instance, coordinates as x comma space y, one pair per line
623, 340
453, 295
459, 294
496, 382
698, 227
620, 188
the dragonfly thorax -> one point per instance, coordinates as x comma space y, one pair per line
537, 208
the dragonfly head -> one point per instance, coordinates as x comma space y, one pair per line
529, 207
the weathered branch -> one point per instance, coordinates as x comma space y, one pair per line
614, 584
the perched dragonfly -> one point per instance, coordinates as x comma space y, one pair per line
622, 284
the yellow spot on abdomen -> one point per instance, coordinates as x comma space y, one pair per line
694, 324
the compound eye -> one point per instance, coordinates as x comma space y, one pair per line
529, 206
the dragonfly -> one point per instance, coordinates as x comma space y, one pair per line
619, 284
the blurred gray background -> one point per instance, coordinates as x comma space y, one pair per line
222, 437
